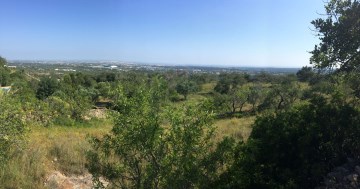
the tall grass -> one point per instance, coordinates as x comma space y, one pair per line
25, 169
62, 148
68, 154
238, 128
48, 149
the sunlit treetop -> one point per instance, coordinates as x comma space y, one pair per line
339, 32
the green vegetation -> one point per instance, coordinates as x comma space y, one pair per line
167, 129
339, 35
12, 127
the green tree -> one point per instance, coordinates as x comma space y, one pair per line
238, 97
230, 81
256, 95
153, 147
4, 77
296, 148
187, 87
305, 74
4, 73
76, 102
281, 96
47, 86
339, 33
2, 61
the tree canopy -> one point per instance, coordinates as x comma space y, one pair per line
339, 33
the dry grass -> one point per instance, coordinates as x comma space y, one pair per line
48, 149
207, 87
25, 169
234, 127
65, 147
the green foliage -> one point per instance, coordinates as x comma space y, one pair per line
71, 103
106, 77
232, 102
186, 87
77, 79
305, 74
47, 86
230, 81
4, 73
4, 77
152, 147
263, 77
296, 148
339, 33
256, 95
281, 96
353, 80
12, 128
2, 61
231, 93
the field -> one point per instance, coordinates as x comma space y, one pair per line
62, 149
162, 127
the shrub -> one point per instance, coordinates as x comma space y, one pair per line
12, 127
296, 148
152, 148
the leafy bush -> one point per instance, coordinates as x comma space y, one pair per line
152, 148
296, 148
47, 86
12, 127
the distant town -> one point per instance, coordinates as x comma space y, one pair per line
73, 66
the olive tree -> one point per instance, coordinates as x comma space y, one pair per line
151, 146
186, 87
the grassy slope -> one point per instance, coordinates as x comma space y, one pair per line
63, 148
48, 149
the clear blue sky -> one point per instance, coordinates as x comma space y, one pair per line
272, 33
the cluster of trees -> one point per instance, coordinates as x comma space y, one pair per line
316, 129
235, 91
156, 145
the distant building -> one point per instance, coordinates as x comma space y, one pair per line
10, 66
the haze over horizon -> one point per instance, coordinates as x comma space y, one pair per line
259, 33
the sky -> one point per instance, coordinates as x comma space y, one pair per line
259, 33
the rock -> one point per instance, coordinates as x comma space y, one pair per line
352, 177
341, 169
357, 169
342, 177
57, 180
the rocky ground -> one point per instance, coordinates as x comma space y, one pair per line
57, 180
343, 177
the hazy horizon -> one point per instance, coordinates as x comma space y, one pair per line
144, 63
208, 33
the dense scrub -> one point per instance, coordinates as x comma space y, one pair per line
164, 135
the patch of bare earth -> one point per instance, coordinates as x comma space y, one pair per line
57, 180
